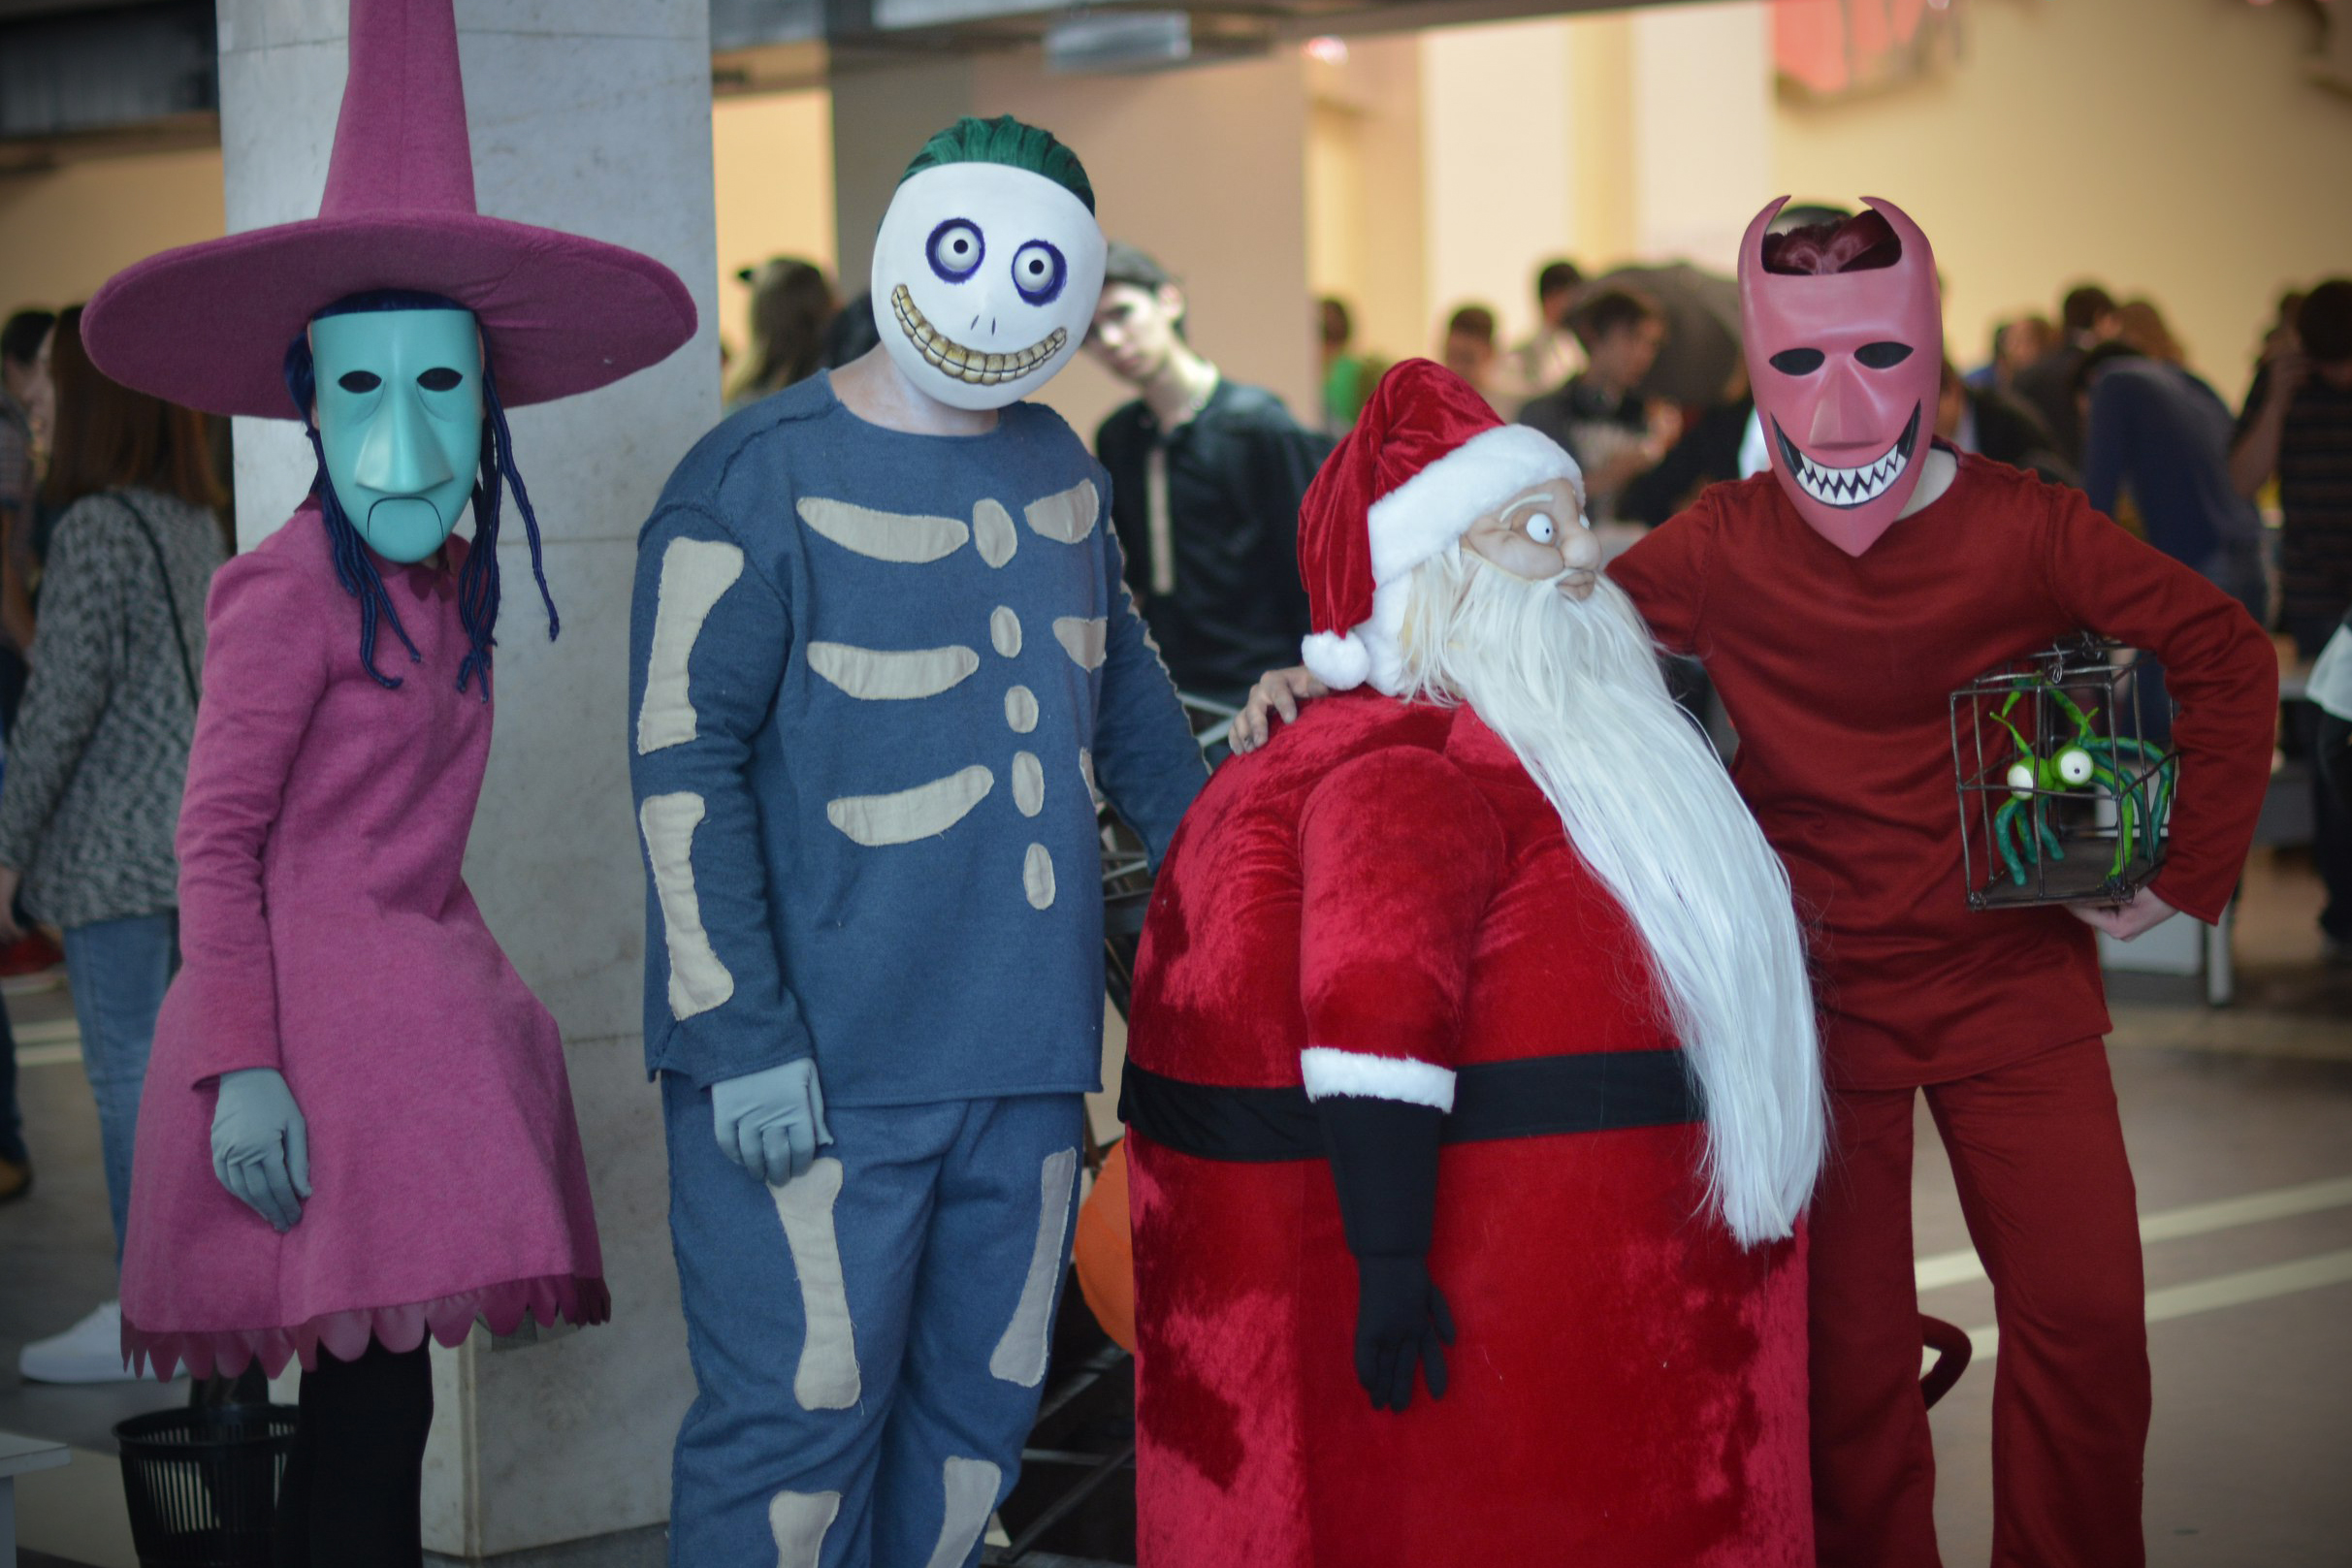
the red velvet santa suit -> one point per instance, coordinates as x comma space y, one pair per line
1836, 670
1627, 1382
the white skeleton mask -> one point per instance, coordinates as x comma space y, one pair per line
985, 279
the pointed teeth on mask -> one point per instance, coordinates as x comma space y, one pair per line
1849, 487
977, 367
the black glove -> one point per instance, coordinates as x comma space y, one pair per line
1384, 1162
2333, 752
1400, 1316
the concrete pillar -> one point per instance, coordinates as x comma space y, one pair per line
592, 115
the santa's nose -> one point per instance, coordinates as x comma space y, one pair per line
1579, 548
1842, 418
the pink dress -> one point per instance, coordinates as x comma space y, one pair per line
327, 932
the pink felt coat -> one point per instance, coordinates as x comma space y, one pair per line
327, 932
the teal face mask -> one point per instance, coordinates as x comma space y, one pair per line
399, 419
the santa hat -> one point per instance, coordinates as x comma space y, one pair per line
1427, 458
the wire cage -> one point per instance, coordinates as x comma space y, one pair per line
2063, 797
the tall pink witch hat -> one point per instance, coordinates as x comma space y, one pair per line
208, 325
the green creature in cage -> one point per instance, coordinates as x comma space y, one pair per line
2135, 775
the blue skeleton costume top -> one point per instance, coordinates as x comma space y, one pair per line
877, 676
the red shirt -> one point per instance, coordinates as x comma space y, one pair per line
1838, 672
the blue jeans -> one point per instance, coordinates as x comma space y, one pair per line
119, 970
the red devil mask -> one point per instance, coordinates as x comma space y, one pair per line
1845, 354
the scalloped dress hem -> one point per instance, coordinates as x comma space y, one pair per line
579, 1300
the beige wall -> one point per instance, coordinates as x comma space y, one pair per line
1497, 179
2162, 146
1609, 137
65, 231
772, 166
1363, 192
1700, 131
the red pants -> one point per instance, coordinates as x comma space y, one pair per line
2036, 1150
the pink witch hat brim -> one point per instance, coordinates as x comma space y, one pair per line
209, 325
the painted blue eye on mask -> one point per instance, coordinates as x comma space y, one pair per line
400, 422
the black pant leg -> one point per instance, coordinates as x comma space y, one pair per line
350, 1498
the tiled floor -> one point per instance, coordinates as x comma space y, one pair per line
2252, 1444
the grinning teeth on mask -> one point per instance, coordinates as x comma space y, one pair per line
977, 367
1849, 487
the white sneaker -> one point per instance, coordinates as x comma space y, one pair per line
89, 1352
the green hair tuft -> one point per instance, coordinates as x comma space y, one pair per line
1005, 140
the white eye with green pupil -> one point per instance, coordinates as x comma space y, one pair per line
1541, 528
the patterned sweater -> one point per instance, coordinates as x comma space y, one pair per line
874, 675
91, 791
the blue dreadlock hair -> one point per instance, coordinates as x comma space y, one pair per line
479, 579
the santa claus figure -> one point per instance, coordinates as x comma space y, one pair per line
1474, 1080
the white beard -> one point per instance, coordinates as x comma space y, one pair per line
1574, 689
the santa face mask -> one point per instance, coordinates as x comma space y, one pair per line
1846, 365
400, 421
985, 279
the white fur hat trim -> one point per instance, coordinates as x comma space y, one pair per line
1422, 518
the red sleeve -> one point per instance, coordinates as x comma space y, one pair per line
2223, 674
1665, 573
264, 672
1399, 855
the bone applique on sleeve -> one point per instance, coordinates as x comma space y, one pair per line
1021, 1356
828, 1376
1066, 515
920, 813
697, 980
893, 536
993, 532
1082, 638
695, 574
878, 675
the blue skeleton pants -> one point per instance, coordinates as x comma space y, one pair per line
869, 1340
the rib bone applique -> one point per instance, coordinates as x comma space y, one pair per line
884, 818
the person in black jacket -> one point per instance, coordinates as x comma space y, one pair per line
1206, 479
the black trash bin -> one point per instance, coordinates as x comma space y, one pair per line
202, 1484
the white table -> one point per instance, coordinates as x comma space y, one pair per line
22, 1456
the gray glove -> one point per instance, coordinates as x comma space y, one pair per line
771, 1122
261, 1147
